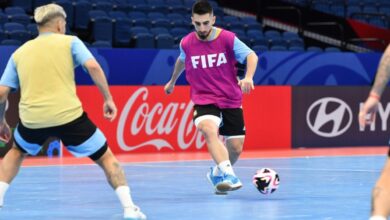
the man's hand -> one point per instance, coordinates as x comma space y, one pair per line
368, 113
168, 88
246, 85
5, 132
109, 110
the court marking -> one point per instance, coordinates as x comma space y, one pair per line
308, 177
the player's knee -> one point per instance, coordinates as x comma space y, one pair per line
237, 148
236, 145
208, 131
19, 151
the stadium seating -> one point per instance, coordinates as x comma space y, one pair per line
164, 41
11, 42
143, 40
20, 18
14, 10
102, 29
27, 5
20, 35
140, 23
101, 44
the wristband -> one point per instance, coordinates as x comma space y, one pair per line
375, 96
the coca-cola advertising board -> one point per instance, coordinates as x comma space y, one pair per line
148, 120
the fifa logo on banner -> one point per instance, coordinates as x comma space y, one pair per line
209, 60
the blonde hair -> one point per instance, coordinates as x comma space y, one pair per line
46, 13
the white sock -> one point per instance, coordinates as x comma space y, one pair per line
216, 171
377, 217
3, 189
123, 193
226, 167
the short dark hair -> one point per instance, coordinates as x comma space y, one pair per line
202, 7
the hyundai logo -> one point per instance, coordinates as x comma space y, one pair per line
329, 117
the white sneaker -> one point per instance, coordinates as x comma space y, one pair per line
134, 213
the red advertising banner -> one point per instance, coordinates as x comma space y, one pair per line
150, 121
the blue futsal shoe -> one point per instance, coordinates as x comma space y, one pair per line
215, 181
233, 181
229, 183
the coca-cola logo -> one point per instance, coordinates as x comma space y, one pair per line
156, 122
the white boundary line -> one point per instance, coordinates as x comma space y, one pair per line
201, 160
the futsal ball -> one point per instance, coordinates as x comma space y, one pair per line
266, 180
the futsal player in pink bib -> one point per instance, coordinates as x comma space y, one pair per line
209, 56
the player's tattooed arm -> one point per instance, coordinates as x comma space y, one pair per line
383, 73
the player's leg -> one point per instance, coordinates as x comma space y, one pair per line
9, 168
207, 120
234, 145
11, 163
83, 138
26, 141
233, 130
381, 195
215, 146
207, 125
116, 178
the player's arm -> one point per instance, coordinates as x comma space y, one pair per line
81, 55
382, 75
9, 81
5, 131
243, 53
251, 65
178, 69
367, 113
96, 72
4, 91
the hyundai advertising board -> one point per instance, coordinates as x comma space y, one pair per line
328, 116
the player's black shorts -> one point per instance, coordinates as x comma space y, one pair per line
232, 119
80, 136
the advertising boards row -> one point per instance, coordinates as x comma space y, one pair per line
276, 117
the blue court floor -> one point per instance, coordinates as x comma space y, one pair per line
315, 188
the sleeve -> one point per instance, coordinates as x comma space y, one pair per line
10, 76
241, 50
182, 56
80, 52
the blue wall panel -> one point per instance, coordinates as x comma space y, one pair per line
296, 68
154, 67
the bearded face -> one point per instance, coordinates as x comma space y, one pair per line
203, 24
